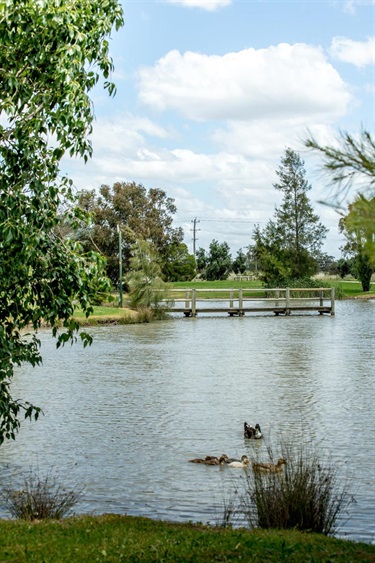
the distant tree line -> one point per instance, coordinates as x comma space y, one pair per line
289, 247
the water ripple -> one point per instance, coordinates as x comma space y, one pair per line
123, 417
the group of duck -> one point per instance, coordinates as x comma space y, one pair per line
253, 433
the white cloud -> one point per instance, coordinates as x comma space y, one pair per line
358, 53
370, 88
267, 138
125, 134
351, 5
208, 5
283, 80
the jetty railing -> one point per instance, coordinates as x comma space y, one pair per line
280, 301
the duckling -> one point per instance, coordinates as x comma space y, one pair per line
202, 460
269, 467
252, 432
210, 460
243, 463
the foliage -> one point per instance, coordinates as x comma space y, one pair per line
40, 498
51, 55
307, 495
146, 288
219, 261
289, 245
239, 263
362, 269
352, 159
344, 267
358, 227
140, 214
179, 264
327, 264
251, 259
201, 259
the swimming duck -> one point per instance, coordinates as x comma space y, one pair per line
243, 463
230, 459
252, 432
210, 460
270, 467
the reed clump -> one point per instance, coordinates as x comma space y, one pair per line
40, 498
307, 495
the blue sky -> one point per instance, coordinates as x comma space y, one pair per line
211, 92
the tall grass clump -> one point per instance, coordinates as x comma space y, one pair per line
307, 495
146, 287
41, 497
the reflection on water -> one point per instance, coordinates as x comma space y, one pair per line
123, 417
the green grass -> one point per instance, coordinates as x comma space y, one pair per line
351, 288
100, 312
123, 538
104, 315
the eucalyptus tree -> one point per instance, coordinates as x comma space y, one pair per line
179, 265
52, 53
201, 259
140, 213
289, 244
239, 263
219, 261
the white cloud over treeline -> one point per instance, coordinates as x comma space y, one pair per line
283, 80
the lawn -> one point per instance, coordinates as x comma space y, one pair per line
118, 538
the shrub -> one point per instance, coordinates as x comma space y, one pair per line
41, 497
307, 495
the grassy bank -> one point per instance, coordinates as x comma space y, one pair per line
124, 538
107, 315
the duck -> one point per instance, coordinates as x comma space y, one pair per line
230, 459
252, 432
210, 460
243, 463
270, 467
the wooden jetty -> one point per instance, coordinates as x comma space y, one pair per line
238, 302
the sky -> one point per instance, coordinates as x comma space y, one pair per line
210, 93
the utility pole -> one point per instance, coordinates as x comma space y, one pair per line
120, 262
194, 229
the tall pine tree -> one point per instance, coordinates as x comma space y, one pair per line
288, 246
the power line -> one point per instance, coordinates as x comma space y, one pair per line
225, 220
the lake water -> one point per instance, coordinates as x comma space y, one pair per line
123, 417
